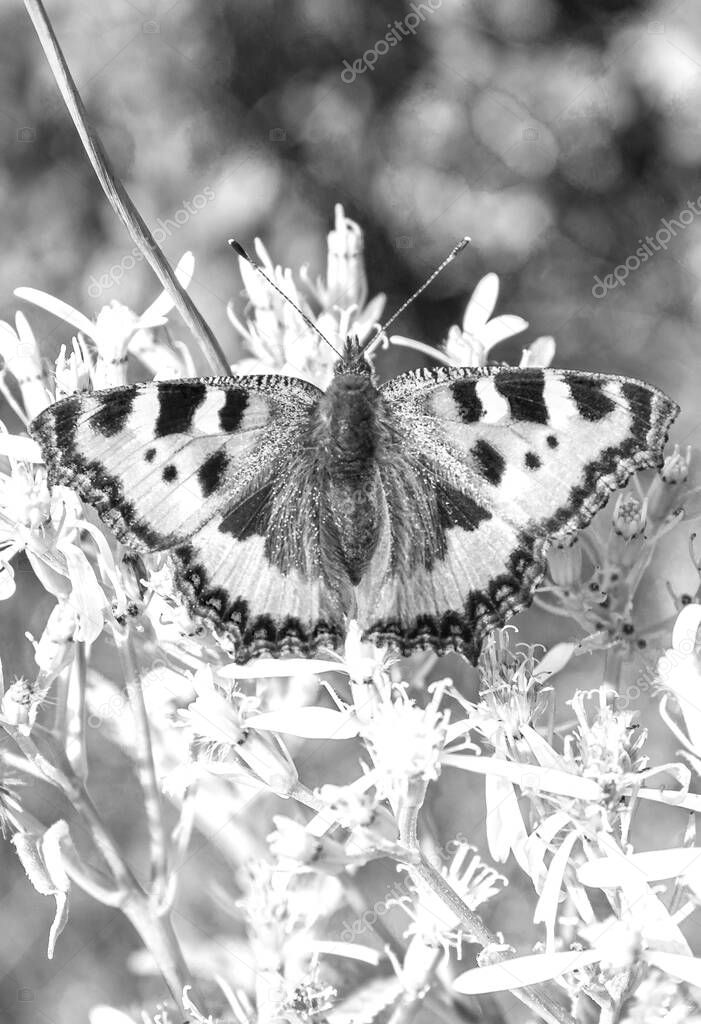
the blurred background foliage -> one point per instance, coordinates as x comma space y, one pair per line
557, 133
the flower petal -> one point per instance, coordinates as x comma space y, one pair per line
555, 660
309, 723
108, 1015
427, 350
686, 968
686, 628
351, 950
20, 448
7, 581
653, 865
528, 776
481, 304
500, 328
58, 308
540, 352
523, 970
281, 668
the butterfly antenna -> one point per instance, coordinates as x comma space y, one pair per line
240, 251
462, 244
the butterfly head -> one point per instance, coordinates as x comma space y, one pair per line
353, 360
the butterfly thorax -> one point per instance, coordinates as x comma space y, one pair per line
345, 434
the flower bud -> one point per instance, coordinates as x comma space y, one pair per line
346, 283
627, 530
114, 327
74, 371
565, 565
667, 487
628, 517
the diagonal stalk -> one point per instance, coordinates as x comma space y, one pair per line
118, 196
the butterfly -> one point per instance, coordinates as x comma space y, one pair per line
422, 507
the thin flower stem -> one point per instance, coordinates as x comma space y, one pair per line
117, 195
180, 840
76, 722
613, 666
159, 938
146, 767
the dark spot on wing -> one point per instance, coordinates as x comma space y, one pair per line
211, 472
231, 413
640, 402
491, 462
215, 600
178, 402
532, 460
170, 474
523, 390
589, 396
251, 517
552, 441
238, 614
458, 509
115, 409
150, 454
466, 399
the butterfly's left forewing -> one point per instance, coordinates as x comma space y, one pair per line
504, 461
212, 470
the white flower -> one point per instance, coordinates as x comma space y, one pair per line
228, 745
25, 509
19, 353
346, 282
679, 670
279, 338
405, 740
471, 344
116, 328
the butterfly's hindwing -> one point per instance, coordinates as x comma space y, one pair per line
509, 460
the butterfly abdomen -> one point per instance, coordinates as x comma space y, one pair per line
345, 434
